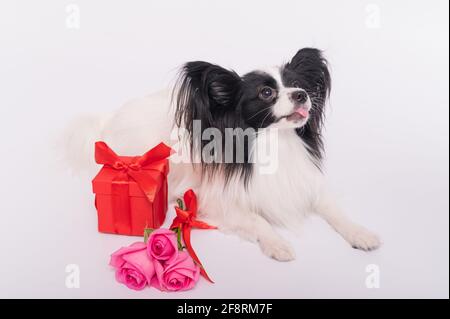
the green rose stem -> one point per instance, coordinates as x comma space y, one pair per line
178, 229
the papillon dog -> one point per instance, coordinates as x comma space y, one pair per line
250, 146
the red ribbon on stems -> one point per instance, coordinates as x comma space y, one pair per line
132, 168
185, 221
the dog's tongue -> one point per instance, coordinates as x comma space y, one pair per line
302, 112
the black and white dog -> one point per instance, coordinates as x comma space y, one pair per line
250, 146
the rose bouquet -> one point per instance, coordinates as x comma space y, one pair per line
161, 261
158, 263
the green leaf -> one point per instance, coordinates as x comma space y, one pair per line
180, 203
147, 233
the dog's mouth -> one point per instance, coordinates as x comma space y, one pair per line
300, 114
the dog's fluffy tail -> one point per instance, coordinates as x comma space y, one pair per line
78, 140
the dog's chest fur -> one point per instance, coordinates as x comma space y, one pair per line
282, 186
292, 182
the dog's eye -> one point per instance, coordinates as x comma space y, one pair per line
266, 93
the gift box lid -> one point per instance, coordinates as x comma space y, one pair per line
103, 181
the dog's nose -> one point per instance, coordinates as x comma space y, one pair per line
299, 96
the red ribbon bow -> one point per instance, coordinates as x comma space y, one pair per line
135, 168
186, 220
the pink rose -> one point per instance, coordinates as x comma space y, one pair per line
181, 274
133, 267
162, 245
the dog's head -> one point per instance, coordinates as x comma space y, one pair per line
288, 97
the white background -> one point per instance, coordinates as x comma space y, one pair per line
387, 138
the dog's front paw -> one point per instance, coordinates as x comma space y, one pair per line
361, 238
277, 249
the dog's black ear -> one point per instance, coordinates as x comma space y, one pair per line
204, 92
312, 69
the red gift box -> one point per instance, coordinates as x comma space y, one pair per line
131, 192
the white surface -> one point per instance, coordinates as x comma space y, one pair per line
387, 138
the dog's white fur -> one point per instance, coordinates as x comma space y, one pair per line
295, 190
